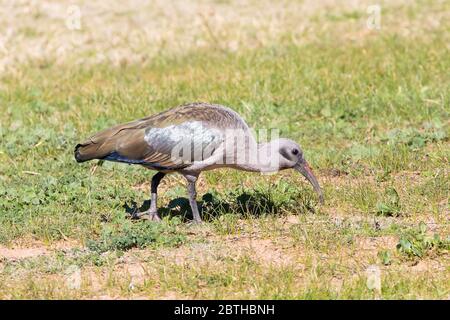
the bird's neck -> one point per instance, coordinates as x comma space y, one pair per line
266, 160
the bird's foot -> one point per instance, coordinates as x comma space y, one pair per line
151, 216
147, 215
196, 221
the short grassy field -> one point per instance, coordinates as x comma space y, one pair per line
370, 108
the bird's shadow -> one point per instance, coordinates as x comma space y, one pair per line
210, 207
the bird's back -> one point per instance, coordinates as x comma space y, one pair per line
150, 141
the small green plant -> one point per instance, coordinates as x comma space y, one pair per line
390, 205
384, 175
141, 234
226, 224
385, 257
416, 243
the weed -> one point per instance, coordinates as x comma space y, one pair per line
385, 257
390, 205
140, 235
415, 243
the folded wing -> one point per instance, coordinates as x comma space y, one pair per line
166, 141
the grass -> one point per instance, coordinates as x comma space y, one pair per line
370, 109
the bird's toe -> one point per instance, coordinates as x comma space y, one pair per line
151, 216
196, 222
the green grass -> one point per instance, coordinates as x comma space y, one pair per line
372, 118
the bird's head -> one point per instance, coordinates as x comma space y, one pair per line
291, 157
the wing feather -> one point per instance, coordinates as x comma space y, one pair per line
169, 140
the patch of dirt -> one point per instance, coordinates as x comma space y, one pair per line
196, 253
374, 244
263, 251
137, 273
26, 249
333, 172
21, 253
169, 295
133, 267
292, 219
105, 297
427, 265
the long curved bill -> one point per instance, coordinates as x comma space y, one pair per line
306, 171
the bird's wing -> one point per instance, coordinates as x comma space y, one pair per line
179, 145
169, 140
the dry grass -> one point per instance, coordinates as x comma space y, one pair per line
127, 32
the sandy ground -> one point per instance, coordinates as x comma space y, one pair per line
137, 266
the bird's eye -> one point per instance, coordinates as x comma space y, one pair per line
295, 151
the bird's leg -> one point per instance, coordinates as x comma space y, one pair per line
192, 179
154, 196
152, 213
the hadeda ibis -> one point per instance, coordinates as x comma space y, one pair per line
189, 139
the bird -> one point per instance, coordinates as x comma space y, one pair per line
189, 139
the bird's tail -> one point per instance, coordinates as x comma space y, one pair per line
85, 152
97, 147
124, 139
